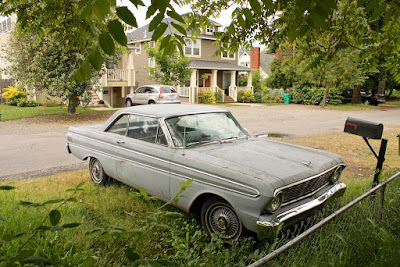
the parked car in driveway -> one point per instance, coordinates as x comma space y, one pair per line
238, 181
153, 94
367, 98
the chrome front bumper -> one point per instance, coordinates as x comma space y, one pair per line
267, 226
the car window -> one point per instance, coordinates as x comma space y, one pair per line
148, 90
154, 91
141, 90
168, 89
146, 129
195, 129
119, 126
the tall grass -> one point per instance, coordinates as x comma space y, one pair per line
355, 238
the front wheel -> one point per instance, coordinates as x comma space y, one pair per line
217, 216
367, 102
97, 173
129, 103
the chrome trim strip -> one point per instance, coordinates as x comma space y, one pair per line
305, 180
172, 173
302, 208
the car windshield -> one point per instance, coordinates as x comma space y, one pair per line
168, 90
189, 130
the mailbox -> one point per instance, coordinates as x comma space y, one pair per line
367, 129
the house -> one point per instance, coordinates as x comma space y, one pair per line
6, 26
209, 72
261, 61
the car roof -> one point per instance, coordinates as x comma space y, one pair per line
166, 110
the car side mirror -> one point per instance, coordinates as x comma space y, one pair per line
363, 128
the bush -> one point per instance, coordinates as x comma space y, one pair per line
206, 97
245, 96
28, 103
52, 103
13, 95
219, 97
311, 95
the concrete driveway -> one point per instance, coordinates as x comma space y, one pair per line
36, 147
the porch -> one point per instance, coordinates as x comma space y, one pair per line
215, 76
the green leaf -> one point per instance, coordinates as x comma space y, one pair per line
268, 3
135, 231
142, 262
35, 260
159, 31
80, 184
137, 3
85, 70
247, 13
23, 254
101, 9
371, 5
160, 226
175, 16
255, 5
378, 11
94, 231
179, 28
165, 42
241, 21
116, 29
132, 255
388, 16
55, 217
126, 15
7, 187
30, 204
71, 225
361, 2
95, 59
53, 201
143, 192
150, 11
156, 21
107, 43
89, 262
71, 199
43, 228
56, 228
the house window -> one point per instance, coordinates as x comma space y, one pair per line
138, 48
152, 44
9, 24
192, 47
226, 55
152, 65
209, 30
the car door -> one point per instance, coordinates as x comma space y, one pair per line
139, 96
145, 157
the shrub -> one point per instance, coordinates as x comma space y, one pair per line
13, 95
311, 95
28, 103
245, 96
52, 103
206, 97
219, 97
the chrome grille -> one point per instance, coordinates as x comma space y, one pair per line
306, 188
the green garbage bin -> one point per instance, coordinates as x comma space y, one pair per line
286, 98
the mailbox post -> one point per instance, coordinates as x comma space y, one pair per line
369, 130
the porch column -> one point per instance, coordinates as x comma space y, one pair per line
192, 91
112, 97
233, 78
249, 79
214, 80
123, 92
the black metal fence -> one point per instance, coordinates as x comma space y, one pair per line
339, 239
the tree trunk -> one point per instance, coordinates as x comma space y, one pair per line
356, 98
381, 87
73, 102
323, 104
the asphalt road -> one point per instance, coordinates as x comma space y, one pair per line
33, 148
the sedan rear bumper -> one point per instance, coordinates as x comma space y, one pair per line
267, 226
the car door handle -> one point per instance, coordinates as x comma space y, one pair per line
120, 142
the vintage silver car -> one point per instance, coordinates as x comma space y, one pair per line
239, 183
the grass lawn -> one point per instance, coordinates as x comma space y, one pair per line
354, 239
15, 113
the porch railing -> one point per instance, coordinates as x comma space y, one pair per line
117, 75
184, 91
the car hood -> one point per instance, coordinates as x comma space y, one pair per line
271, 160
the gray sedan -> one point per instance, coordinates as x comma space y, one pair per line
153, 94
239, 182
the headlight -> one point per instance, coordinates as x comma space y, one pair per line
336, 175
275, 204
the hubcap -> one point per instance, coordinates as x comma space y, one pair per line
96, 172
222, 218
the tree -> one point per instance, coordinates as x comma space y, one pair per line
171, 69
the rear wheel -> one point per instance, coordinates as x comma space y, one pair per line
151, 102
129, 103
97, 173
217, 216
367, 101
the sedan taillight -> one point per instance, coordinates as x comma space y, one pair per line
160, 96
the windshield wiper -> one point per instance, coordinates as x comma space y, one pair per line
202, 142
